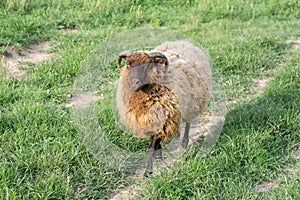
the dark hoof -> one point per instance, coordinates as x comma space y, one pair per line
147, 174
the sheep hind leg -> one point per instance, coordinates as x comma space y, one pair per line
178, 134
185, 139
155, 143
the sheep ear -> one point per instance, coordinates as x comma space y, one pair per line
123, 54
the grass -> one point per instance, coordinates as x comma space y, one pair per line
42, 154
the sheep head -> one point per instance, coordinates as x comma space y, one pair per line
143, 68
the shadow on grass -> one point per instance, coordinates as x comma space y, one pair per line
276, 111
258, 139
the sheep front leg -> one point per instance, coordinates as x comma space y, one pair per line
154, 146
185, 139
158, 150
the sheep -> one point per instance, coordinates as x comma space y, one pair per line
159, 89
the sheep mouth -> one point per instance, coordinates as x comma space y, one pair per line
146, 87
138, 88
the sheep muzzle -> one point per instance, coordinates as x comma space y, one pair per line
138, 76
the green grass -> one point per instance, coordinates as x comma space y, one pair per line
42, 155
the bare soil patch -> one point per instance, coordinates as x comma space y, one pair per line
82, 99
266, 186
128, 192
16, 61
295, 43
297, 155
290, 170
68, 31
259, 85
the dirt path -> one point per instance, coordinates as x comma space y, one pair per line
81, 100
16, 61
131, 191
295, 43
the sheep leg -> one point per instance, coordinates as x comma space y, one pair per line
185, 139
155, 143
158, 150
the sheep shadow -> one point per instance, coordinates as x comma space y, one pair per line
274, 110
260, 135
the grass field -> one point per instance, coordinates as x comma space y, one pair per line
42, 155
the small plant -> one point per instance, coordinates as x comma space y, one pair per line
4, 52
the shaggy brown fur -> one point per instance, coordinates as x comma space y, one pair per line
155, 108
152, 110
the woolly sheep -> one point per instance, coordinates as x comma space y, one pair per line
158, 90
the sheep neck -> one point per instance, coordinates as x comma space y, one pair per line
155, 108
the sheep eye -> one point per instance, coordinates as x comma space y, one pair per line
160, 61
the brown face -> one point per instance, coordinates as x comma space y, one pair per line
142, 67
138, 65
138, 76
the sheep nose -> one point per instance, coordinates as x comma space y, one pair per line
136, 84
136, 81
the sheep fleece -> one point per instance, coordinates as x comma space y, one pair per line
181, 95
